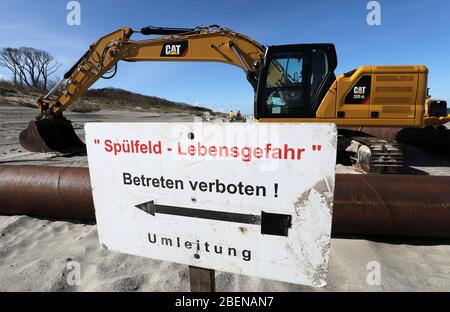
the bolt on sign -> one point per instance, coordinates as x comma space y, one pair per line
253, 199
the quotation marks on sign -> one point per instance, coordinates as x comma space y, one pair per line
96, 141
316, 148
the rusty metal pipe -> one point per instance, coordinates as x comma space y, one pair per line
394, 205
55, 192
387, 205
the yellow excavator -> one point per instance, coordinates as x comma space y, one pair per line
292, 83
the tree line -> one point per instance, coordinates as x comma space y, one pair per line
29, 67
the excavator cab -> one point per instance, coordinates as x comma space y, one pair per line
293, 80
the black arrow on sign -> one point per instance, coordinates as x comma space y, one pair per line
271, 223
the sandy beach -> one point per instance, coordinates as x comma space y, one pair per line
35, 255
38, 254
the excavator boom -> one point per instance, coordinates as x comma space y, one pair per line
205, 44
52, 132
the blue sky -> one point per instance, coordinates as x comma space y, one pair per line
412, 32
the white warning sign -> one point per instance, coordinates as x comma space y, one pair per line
252, 199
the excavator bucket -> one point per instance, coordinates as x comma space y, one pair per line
44, 136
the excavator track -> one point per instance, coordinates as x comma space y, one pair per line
386, 157
371, 154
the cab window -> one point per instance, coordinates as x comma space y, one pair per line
284, 83
292, 80
285, 72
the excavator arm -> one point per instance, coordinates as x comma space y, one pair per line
52, 132
204, 44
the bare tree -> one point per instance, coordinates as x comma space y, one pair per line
29, 66
13, 59
9, 58
47, 66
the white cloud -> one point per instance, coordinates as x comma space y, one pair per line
2, 77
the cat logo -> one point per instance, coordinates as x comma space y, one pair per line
360, 93
359, 90
175, 49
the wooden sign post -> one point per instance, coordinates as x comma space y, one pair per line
202, 280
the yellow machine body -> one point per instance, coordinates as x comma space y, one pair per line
397, 98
